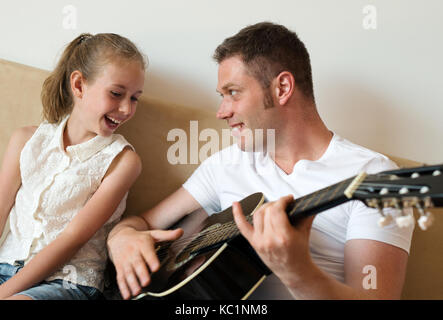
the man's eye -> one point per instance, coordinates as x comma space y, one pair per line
233, 92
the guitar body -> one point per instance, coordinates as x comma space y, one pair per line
227, 270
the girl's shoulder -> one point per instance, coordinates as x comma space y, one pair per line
21, 135
126, 158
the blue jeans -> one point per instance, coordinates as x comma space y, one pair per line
50, 290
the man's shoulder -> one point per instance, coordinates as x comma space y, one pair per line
366, 159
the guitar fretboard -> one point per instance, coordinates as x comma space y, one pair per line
319, 200
313, 203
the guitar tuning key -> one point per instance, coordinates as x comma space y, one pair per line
415, 175
384, 220
403, 190
428, 202
407, 218
426, 218
425, 221
424, 189
405, 221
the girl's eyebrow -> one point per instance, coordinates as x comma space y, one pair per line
123, 87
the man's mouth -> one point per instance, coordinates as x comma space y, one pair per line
237, 128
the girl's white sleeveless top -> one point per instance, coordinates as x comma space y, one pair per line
56, 184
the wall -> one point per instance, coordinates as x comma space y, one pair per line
377, 87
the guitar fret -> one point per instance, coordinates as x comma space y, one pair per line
298, 202
337, 188
229, 230
321, 196
310, 198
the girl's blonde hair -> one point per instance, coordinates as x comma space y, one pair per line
88, 54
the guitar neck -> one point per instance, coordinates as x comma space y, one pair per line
319, 201
420, 187
310, 204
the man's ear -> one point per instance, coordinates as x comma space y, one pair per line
284, 85
77, 83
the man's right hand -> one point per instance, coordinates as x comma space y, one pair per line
134, 257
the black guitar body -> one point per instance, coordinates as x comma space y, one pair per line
227, 270
232, 274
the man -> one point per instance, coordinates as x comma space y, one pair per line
265, 82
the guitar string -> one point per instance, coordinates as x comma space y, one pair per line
215, 232
220, 231
228, 230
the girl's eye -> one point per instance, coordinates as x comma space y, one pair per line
134, 99
115, 94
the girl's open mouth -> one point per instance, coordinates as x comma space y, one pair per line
111, 122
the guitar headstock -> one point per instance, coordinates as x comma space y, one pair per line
418, 188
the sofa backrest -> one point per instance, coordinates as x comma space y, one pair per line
148, 131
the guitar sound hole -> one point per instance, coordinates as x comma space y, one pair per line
200, 241
183, 256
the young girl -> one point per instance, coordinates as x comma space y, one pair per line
64, 184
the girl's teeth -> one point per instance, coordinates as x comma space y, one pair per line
114, 120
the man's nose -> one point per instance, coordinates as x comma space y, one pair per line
224, 111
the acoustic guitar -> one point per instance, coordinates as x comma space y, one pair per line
213, 261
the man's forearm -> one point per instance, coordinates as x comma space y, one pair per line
318, 285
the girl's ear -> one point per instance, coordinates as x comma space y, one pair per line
284, 85
77, 84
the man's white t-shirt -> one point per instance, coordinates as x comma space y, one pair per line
231, 174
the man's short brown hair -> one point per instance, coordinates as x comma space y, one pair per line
267, 49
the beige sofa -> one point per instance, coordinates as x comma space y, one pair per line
20, 105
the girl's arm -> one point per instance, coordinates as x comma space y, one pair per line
10, 179
120, 176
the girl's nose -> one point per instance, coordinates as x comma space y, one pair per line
126, 107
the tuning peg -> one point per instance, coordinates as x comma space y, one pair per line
384, 220
426, 220
384, 191
403, 190
405, 221
436, 173
415, 175
428, 202
424, 189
